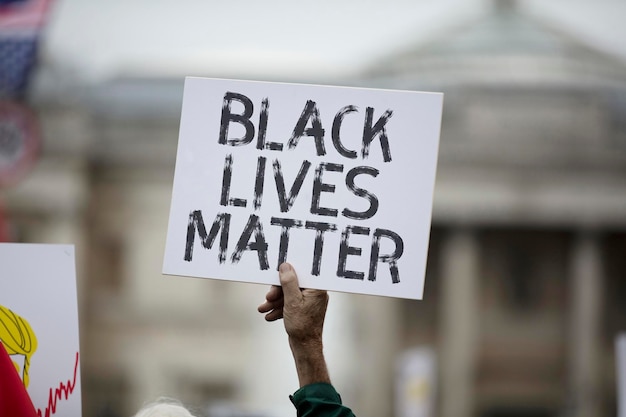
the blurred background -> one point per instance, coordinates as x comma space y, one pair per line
525, 289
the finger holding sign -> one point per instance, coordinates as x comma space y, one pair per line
273, 304
303, 310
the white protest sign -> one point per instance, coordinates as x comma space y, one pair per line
620, 360
337, 181
39, 323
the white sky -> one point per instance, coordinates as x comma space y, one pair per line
281, 38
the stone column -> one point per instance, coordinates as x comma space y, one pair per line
378, 346
459, 323
584, 344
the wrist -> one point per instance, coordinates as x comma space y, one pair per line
308, 355
306, 346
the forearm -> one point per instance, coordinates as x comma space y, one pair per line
310, 363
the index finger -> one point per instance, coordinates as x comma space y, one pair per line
275, 293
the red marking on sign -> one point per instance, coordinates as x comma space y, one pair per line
56, 393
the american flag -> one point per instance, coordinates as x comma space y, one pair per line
20, 26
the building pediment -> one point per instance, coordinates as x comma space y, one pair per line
504, 46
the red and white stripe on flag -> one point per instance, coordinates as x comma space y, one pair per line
22, 17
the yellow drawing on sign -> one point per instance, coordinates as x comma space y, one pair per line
18, 338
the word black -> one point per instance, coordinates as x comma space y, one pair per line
310, 116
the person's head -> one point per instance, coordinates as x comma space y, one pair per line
164, 408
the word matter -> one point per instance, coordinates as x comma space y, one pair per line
254, 227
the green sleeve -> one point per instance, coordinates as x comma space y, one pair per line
319, 400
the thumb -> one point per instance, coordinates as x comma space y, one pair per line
289, 281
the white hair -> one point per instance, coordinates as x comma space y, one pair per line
164, 408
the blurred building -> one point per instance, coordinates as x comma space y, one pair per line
527, 263
525, 286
